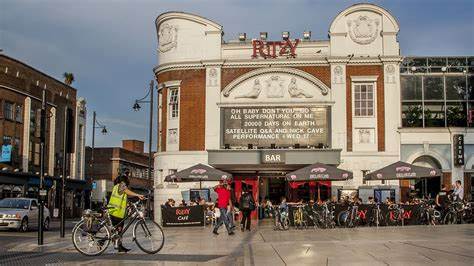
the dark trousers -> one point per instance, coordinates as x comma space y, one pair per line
245, 222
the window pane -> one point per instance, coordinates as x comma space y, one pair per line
471, 114
411, 87
357, 95
433, 88
456, 114
456, 88
370, 111
434, 114
412, 114
470, 87
437, 61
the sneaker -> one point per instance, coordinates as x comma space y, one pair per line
123, 249
215, 232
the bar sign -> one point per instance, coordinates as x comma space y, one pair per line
458, 144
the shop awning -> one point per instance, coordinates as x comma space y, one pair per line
402, 170
319, 172
197, 173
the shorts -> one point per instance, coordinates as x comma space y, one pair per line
115, 220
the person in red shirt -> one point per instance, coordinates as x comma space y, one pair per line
223, 198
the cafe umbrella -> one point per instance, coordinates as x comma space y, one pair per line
319, 172
199, 172
403, 171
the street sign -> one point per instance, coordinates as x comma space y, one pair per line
94, 185
56, 212
458, 146
43, 192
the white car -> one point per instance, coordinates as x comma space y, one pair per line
21, 214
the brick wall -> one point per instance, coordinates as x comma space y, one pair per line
18, 76
133, 145
191, 108
366, 70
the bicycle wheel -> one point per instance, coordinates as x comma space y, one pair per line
342, 218
449, 218
285, 224
90, 241
149, 236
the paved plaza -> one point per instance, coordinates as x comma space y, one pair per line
410, 245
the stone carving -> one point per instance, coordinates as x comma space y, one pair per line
390, 74
365, 135
254, 93
173, 136
168, 38
212, 80
274, 87
338, 78
363, 30
295, 92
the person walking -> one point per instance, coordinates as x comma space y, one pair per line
247, 205
223, 198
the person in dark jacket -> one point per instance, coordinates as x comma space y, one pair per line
247, 205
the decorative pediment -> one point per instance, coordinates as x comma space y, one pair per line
276, 84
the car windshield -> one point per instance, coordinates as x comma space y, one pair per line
15, 203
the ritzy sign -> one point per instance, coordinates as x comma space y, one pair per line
266, 49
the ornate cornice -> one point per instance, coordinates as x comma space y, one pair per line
302, 74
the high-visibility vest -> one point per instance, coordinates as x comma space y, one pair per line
117, 203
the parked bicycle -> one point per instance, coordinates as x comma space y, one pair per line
428, 214
376, 219
349, 218
326, 216
93, 234
299, 217
282, 219
395, 215
454, 214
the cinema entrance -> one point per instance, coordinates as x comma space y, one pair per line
252, 169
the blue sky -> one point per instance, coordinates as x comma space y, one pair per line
110, 46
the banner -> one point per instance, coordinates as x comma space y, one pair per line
183, 216
6, 154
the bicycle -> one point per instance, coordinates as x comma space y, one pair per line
349, 218
325, 216
454, 213
93, 234
395, 215
299, 218
377, 218
282, 221
428, 214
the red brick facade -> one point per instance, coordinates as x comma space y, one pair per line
366, 70
192, 101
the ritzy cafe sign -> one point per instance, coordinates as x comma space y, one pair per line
274, 49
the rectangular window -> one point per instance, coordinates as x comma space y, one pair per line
37, 154
7, 140
8, 110
363, 100
19, 113
32, 121
174, 103
411, 87
173, 136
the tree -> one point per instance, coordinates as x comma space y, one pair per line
68, 78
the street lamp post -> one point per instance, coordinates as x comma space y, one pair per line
137, 107
41, 190
95, 124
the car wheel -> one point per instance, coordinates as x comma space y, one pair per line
24, 225
46, 224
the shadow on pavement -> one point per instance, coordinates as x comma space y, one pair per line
38, 258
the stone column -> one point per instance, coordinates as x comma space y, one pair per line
26, 134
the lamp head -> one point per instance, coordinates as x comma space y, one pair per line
136, 107
104, 131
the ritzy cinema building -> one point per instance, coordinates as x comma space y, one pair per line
259, 108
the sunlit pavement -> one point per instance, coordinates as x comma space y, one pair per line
410, 245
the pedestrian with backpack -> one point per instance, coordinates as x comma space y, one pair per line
247, 205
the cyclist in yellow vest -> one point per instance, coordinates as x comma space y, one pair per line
118, 205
